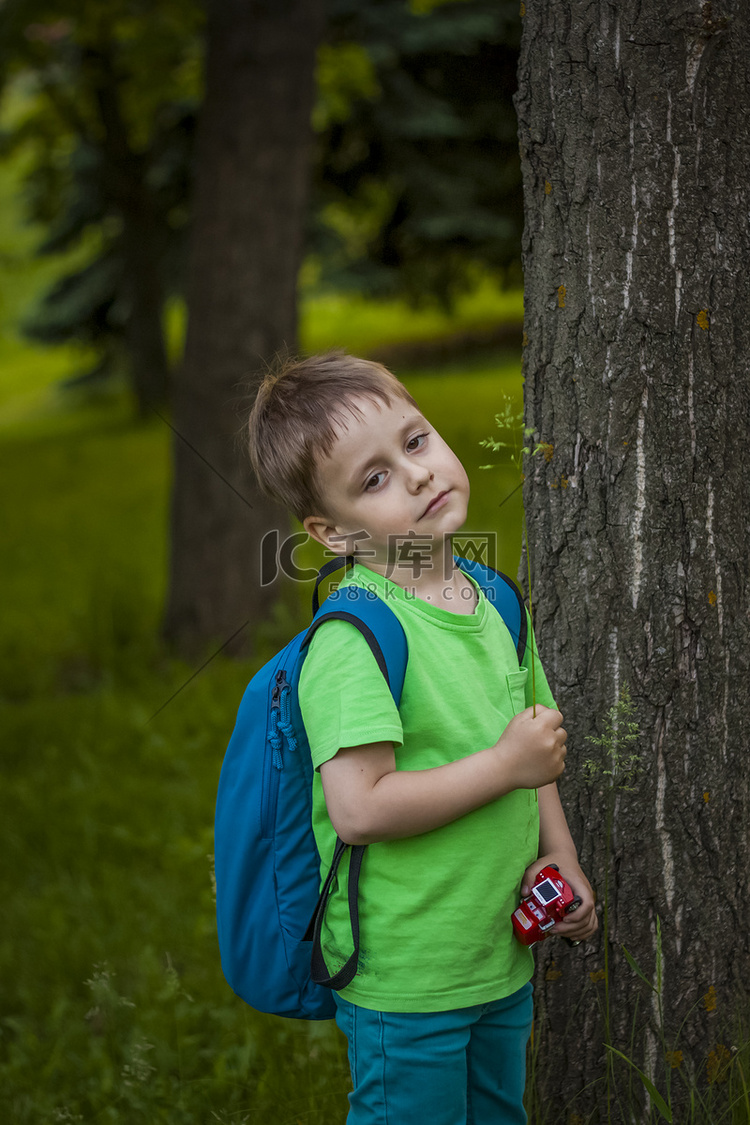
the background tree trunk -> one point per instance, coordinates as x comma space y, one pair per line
634, 125
253, 155
144, 329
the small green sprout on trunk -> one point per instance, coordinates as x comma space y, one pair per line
619, 761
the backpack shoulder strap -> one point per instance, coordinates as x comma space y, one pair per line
326, 570
384, 633
503, 593
376, 622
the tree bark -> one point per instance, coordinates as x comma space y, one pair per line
253, 156
144, 329
634, 128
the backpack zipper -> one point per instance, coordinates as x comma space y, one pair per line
274, 762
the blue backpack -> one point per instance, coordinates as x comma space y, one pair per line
269, 905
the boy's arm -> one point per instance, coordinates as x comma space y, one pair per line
556, 846
369, 800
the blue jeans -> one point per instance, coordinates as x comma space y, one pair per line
464, 1067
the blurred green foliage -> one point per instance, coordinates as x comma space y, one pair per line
101, 101
417, 175
25, 371
416, 180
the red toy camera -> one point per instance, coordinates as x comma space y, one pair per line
550, 900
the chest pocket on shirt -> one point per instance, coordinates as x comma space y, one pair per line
516, 684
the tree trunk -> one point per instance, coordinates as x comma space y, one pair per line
253, 157
635, 142
143, 239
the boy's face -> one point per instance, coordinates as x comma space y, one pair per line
390, 475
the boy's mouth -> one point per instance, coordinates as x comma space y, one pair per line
436, 503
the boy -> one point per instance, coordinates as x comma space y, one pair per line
442, 789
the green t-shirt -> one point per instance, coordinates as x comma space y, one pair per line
435, 909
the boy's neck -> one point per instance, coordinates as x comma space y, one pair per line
430, 575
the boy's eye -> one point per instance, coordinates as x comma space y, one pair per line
412, 445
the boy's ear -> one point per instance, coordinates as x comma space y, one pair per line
323, 532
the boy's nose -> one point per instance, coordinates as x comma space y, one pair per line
418, 475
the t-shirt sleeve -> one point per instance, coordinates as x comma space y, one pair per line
343, 696
539, 679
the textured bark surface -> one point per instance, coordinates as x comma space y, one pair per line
252, 181
634, 126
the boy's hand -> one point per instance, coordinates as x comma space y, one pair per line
583, 923
533, 747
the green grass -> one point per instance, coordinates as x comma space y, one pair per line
108, 940
366, 326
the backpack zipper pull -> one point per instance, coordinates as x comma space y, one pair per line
285, 715
280, 683
275, 733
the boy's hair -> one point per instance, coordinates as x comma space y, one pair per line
294, 419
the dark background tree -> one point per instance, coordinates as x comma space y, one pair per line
251, 194
635, 140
